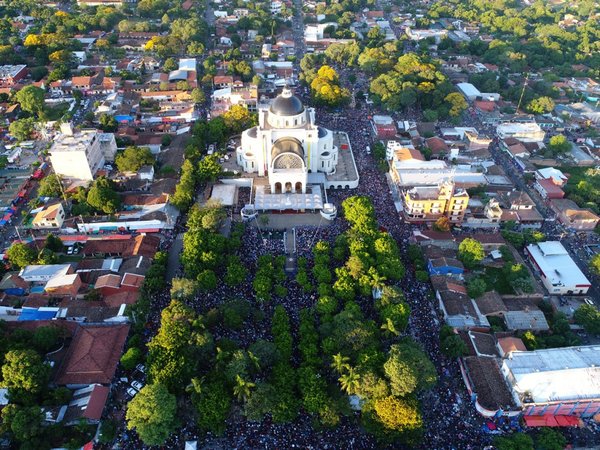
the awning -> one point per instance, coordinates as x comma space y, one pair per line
549, 420
148, 230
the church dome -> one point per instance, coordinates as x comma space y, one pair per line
287, 104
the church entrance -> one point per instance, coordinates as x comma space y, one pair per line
288, 187
298, 187
277, 188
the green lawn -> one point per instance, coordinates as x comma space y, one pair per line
495, 279
62, 259
57, 111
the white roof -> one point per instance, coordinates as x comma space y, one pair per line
43, 272
551, 172
518, 127
468, 89
281, 202
61, 280
187, 64
556, 374
556, 264
224, 194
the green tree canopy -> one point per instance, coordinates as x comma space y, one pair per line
31, 99
24, 373
21, 255
588, 316
50, 186
22, 129
470, 252
132, 158
516, 441
152, 414
103, 197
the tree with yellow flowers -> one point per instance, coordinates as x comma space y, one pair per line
326, 89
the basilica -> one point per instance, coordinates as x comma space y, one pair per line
287, 146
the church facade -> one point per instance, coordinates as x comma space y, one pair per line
287, 145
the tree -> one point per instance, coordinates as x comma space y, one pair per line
238, 118
541, 105
22, 129
559, 144
207, 280
588, 316
339, 363
20, 255
103, 197
31, 99
550, 439
398, 414
132, 158
50, 186
152, 414
408, 368
183, 288
170, 65
24, 423
108, 123
209, 168
453, 346
470, 252
46, 338
131, 358
595, 264
242, 388
212, 406
53, 243
442, 224
24, 373
326, 89
476, 287
197, 95
517, 441
349, 381
457, 103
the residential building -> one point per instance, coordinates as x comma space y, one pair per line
531, 319
552, 174
458, 309
548, 189
572, 216
44, 273
555, 382
49, 217
445, 266
525, 132
427, 204
92, 356
79, 155
471, 93
558, 272
10, 75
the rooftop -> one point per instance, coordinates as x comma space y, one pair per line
77, 142
93, 355
556, 374
553, 260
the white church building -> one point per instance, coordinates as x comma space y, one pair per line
287, 145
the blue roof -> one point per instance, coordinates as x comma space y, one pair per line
36, 314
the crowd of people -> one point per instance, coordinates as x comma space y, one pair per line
450, 419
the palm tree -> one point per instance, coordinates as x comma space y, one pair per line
389, 327
254, 360
349, 381
242, 388
340, 363
195, 386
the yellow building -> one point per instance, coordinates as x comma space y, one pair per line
51, 216
429, 203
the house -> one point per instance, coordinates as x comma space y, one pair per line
515, 148
458, 309
507, 345
523, 131
530, 319
445, 266
11, 75
143, 244
51, 216
87, 403
108, 284
427, 204
548, 189
572, 216
44, 273
64, 285
491, 304
552, 174
558, 272
92, 356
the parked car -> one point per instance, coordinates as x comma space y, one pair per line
137, 385
131, 392
70, 250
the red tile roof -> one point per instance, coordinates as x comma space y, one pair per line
93, 355
95, 406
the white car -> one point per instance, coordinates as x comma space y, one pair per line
131, 392
141, 368
137, 385
70, 250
